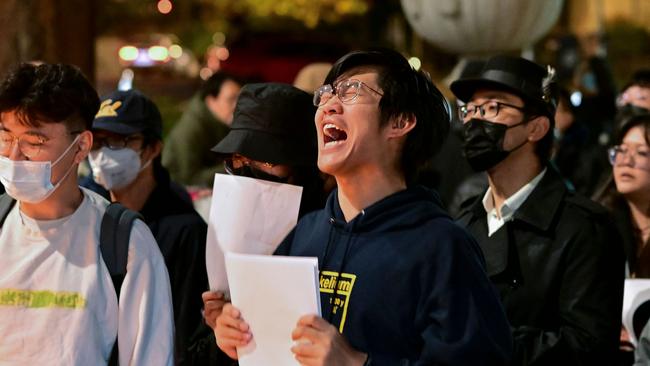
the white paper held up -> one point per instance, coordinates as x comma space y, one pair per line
272, 293
249, 216
637, 292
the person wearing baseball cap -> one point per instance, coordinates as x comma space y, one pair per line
550, 252
126, 160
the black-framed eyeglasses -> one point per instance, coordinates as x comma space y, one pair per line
114, 142
30, 145
346, 90
638, 154
487, 110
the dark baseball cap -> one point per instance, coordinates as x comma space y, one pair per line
128, 112
272, 123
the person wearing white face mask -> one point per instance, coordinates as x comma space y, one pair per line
58, 304
126, 160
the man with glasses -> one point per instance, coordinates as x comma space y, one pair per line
551, 253
125, 160
400, 282
58, 305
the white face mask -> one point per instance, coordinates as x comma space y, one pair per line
115, 169
30, 181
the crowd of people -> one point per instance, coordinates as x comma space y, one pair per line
526, 267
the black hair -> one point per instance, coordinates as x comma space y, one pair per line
639, 78
607, 195
212, 86
49, 93
407, 92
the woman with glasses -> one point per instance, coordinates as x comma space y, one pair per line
627, 194
627, 191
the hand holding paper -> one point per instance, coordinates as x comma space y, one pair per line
272, 293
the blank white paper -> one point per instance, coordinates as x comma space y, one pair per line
247, 215
272, 293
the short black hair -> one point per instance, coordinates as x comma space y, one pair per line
212, 86
640, 78
49, 93
407, 92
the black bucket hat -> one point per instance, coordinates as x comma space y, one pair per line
272, 123
127, 113
524, 78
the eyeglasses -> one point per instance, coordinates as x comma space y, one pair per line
113, 142
236, 162
639, 154
29, 144
487, 110
346, 90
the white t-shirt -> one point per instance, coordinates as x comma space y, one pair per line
57, 301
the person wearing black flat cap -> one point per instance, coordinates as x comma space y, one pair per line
552, 254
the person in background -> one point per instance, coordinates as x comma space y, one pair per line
207, 120
637, 91
58, 304
578, 159
272, 138
552, 254
125, 160
416, 289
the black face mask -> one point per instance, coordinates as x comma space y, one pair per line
483, 143
248, 171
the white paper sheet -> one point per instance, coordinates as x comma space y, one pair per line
249, 216
637, 292
272, 293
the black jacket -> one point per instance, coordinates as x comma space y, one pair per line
180, 233
412, 288
558, 265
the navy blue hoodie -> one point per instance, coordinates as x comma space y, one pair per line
412, 288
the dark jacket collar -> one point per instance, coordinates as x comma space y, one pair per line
539, 208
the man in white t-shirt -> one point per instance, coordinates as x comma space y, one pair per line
58, 305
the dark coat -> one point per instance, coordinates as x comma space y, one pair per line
558, 266
180, 233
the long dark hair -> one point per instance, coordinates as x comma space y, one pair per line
607, 195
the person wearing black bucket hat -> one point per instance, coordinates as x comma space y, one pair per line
550, 252
126, 160
272, 137
400, 282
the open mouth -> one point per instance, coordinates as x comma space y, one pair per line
333, 134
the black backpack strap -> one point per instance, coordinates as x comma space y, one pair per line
6, 203
114, 235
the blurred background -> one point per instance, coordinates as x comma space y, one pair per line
166, 47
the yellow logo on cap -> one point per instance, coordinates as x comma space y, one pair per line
106, 109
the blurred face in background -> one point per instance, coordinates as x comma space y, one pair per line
222, 106
631, 162
637, 96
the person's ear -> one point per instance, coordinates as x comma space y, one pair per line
401, 125
152, 150
539, 128
84, 143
